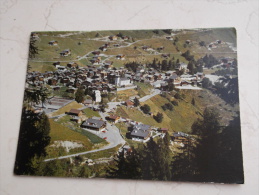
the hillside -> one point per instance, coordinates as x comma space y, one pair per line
180, 119
183, 115
83, 43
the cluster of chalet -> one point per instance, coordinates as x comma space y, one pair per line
99, 80
104, 47
162, 80
115, 37
96, 59
142, 132
105, 79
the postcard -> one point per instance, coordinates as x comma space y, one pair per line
157, 104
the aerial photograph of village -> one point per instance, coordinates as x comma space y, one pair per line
157, 104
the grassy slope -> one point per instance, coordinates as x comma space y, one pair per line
62, 133
136, 55
180, 119
52, 52
224, 34
65, 130
144, 88
41, 66
183, 115
59, 132
146, 37
206, 98
102, 154
125, 94
67, 107
90, 113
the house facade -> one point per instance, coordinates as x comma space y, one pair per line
98, 97
65, 52
94, 124
75, 112
140, 132
52, 43
113, 118
122, 81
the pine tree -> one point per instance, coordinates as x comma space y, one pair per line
191, 68
159, 117
136, 102
127, 166
145, 108
33, 140
205, 153
79, 96
164, 65
33, 49
149, 163
193, 101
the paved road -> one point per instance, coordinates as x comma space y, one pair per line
112, 105
111, 145
112, 135
58, 116
145, 98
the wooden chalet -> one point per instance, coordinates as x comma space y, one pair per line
72, 65
113, 118
94, 124
75, 112
96, 53
129, 103
140, 132
113, 37
52, 43
120, 57
65, 52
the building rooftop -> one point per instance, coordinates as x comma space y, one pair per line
93, 123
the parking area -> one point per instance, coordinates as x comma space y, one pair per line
54, 104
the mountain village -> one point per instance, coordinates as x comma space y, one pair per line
100, 80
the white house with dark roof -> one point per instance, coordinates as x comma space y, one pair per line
98, 97
94, 124
140, 132
122, 81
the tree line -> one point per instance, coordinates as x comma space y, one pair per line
215, 155
34, 127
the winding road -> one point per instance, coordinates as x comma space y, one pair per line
145, 98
